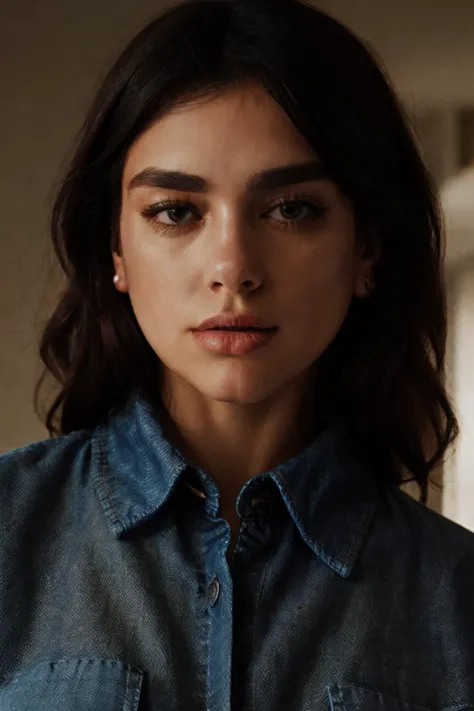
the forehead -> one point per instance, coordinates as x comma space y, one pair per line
239, 128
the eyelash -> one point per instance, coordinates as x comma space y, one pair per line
150, 212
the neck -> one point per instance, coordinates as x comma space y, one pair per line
234, 442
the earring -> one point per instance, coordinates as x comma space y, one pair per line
369, 286
116, 279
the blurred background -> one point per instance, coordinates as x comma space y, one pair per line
53, 56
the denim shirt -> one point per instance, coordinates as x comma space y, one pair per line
342, 594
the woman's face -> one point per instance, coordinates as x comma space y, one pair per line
281, 246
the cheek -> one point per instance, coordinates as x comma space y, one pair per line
318, 299
155, 289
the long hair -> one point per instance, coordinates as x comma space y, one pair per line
384, 372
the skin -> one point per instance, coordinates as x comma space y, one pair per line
236, 416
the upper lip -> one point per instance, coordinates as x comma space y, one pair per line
234, 321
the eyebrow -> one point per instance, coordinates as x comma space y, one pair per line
266, 180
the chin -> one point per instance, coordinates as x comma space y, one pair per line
235, 381
240, 388
243, 397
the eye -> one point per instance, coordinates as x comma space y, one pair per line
174, 210
297, 210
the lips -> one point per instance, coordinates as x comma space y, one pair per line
232, 328
234, 342
236, 322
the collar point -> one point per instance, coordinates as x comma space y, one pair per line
343, 569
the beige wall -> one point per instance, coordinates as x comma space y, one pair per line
458, 499
53, 54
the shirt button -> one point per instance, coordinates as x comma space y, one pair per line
213, 591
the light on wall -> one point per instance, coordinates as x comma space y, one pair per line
457, 199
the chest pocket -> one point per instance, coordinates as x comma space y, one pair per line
354, 698
73, 685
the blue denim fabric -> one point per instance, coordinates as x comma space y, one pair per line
343, 593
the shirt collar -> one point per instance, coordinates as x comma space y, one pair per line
329, 490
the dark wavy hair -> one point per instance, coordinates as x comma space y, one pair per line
384, 372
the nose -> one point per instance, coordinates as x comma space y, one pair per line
235, 265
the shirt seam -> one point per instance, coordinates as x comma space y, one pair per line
106, 490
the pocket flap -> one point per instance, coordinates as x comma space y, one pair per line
355, 698
75, 685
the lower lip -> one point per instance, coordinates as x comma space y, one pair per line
234, 342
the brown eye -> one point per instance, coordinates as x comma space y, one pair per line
175, 210
176, 214
297, 211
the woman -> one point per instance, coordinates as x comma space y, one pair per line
250, 352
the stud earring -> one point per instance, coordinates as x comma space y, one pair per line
369, 286
116, 279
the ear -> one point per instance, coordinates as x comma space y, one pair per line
121, 283
366, 260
